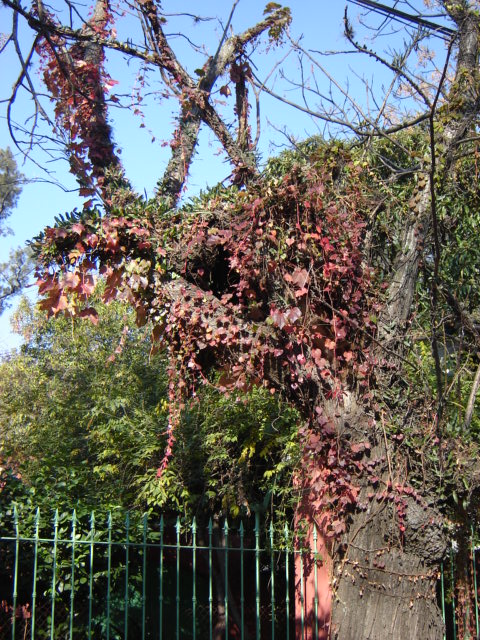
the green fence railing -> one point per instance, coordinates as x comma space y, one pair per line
130, 577
120, 577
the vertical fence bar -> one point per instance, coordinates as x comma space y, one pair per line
210, 586
242, 588
257, 574
474, 566
225, 530
109, 570
194, 570
272, 581
35, 565
315, 551
15, 570
177, 527
90, 581
287, 581
54, 574
442, 590
160, 597
144, 573
452, 578
72, 573
126, 599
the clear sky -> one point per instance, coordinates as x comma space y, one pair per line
318, 24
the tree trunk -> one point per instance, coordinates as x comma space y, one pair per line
381, 590
384, 569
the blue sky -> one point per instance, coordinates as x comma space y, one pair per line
319, 25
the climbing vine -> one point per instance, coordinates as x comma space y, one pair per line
267, 284
78, 85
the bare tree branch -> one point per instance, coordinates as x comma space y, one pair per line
197, 109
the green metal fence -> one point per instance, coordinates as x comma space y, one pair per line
130, 577
115, 577
447, 589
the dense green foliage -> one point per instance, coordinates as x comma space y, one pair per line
13, 273
10, 186
75, 425
83, 414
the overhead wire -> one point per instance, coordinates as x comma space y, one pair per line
439, 30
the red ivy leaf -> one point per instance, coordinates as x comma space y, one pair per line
89, 313
278, 317
71, 280
330, 344
294, 314
300, 277
78, 228
60, 305
301, 292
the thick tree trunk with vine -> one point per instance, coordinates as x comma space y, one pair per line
387, 564
384, 590
385, 567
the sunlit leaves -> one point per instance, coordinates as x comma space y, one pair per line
270, 276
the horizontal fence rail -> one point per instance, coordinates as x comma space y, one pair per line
132, 577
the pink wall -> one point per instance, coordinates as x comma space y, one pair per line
313, 579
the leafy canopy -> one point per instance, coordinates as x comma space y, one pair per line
79, 430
